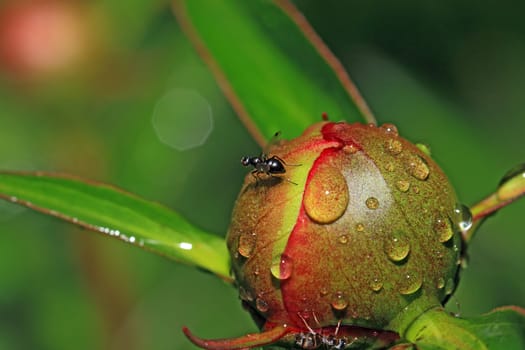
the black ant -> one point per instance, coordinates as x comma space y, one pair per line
263, 164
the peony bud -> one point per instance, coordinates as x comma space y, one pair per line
361, 239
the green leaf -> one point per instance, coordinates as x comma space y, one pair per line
108, 210
274, 69
502, 328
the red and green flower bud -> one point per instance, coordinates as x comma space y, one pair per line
363, 237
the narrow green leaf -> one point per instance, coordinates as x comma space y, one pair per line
115, 213
503, 328
271, 65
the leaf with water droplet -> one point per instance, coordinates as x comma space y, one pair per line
108, 210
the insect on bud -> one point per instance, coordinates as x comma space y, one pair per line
366, 241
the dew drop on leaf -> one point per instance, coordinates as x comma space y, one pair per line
440, 283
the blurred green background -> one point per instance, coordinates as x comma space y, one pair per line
450, 74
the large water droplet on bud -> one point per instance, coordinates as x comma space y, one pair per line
326, 195
282, 267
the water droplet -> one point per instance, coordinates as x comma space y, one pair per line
396, 246
463, 217
360, 227
339, 302
372, 203
323, 292
389, 129
261, 305
443, 229
394, 146
343, 239
418, 168
390, 167
449, 286
326, 195
411, 283
247, 241
282, 267
403, 185
376, 284
440, 283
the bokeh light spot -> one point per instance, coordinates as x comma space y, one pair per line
182, 119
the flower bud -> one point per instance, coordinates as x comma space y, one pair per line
360, 234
